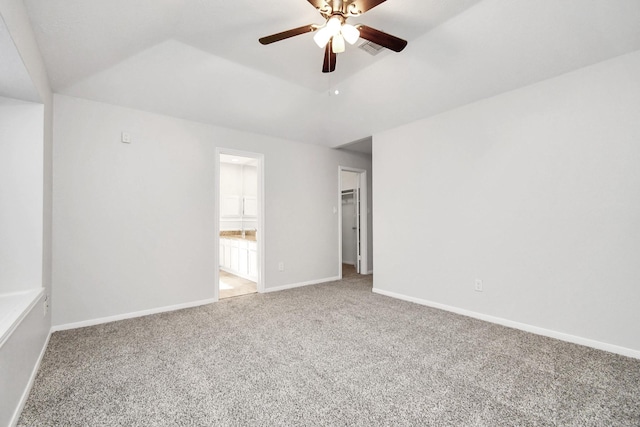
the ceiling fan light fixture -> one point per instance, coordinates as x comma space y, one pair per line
338, 43
333, 25
322, 37
350, 33
330, 29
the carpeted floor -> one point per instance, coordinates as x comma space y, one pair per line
332, 354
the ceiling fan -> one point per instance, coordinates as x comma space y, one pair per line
335, 31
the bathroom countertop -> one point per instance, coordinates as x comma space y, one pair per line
236, 234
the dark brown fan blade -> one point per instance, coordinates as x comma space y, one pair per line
383, 39
329, 64
364, 5
286, 34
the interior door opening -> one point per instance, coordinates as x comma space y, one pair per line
239, 224
353, 222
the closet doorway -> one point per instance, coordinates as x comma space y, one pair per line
240, 248
353, 221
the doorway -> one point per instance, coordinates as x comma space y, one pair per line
240, 224
353, 221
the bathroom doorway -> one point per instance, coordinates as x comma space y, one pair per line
239, 194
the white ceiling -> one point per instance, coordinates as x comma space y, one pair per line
364, 146
14, 79
200, 59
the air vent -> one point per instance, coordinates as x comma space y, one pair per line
371, 48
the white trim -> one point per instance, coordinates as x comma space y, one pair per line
298, 285
131, 315
27, 389
364, 218
517, 325
364, 221
339, 212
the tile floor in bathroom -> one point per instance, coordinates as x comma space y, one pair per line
233, 286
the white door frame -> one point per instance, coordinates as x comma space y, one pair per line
261, 224
364, 219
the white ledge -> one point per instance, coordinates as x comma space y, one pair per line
13, 308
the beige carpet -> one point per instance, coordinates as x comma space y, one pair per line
333, 354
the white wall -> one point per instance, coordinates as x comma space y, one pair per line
20, 353
238, 180
349, 180
250, 181
21, 195
535, 192
134, 223
231, 179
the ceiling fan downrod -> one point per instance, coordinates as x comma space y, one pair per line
344, 8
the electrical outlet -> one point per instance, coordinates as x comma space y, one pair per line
46, 304
478, 285
281, 266
126, 137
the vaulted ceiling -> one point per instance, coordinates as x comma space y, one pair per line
201, 60
14, 77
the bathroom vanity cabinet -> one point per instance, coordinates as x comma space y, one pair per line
239, 256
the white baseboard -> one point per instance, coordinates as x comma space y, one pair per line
27, 389
99, 321
298, 285
132, 315
517, 325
